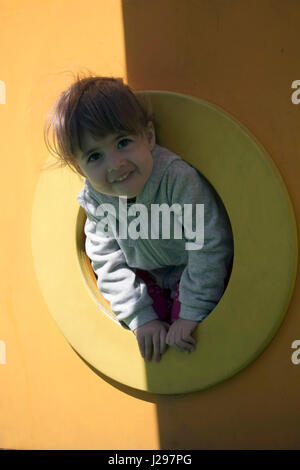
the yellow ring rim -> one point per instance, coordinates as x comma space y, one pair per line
263, 276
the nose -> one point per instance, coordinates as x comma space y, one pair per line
115, 161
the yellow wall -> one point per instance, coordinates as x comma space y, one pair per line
240, 55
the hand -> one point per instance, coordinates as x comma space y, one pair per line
151, 338
180, 335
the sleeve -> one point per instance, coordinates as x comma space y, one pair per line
117, 282
202, 281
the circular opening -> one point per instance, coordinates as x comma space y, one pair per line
86, 267
261, 284
91, 277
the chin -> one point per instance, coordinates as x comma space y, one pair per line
130, 195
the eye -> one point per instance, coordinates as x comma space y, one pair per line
123, 143
94, 157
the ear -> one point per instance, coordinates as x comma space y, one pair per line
150, 134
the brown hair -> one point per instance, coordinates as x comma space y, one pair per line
97, 105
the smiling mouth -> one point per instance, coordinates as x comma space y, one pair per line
122, 178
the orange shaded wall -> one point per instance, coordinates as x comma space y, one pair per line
242, 56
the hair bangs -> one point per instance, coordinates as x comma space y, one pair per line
95, 105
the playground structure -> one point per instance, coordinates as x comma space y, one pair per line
55, 398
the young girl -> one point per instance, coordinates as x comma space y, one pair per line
160, 284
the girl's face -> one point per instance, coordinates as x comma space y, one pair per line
118, 164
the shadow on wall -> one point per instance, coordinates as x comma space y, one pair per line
166, 44
161, 44
207, 49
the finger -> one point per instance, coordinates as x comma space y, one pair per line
181, 343
141, 343
148, 348
174, 338
185, 346
178, 338
156, 347
167, 337
170, 337
163, 344
190, 339
166, 325
172, 342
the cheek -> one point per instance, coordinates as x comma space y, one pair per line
98, 174
150, 167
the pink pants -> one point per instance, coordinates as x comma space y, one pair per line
166, 308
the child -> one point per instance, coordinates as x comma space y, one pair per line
160, 285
